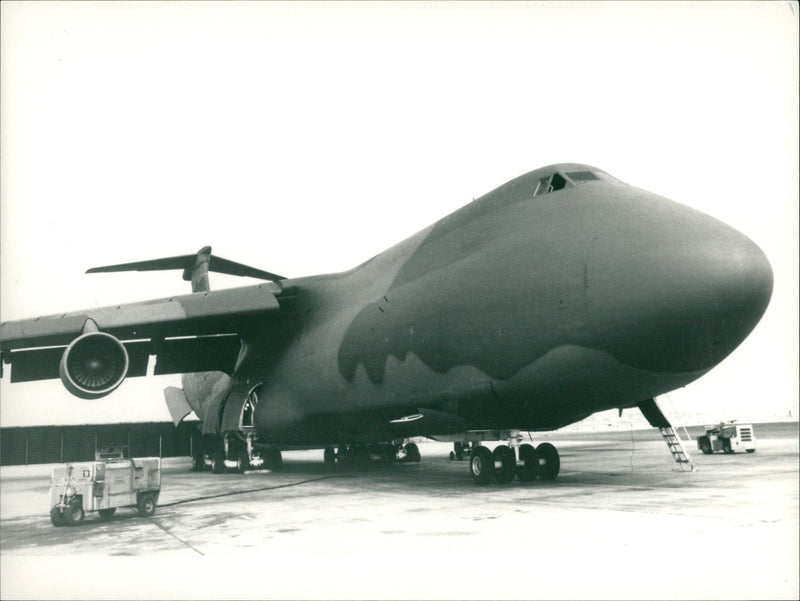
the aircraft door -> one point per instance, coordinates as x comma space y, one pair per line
239, 411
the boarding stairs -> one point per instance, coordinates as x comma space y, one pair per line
676, 449
657, 419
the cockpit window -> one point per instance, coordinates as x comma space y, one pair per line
556, 181
579, 177
551, 183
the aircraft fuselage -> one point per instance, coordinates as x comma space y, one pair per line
529, 308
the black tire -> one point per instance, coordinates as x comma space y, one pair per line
705, 445
529, 470
726, 446
107, 514
549, 461
56, 517
243, 462
73, 513
273, 460
505, 464
750, 450
198, 462
412, 452
330, 457
146, 504
218, 462
481, 466
452, 456
361, 457
388, 454
344, 455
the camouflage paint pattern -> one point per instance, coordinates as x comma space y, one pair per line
529, 308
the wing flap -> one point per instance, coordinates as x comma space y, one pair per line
187, 355
30, 365
184, 355
201, 313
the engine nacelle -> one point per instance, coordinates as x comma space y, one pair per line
93, 365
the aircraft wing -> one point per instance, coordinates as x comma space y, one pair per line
193, 332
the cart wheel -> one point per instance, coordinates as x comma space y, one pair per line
726, 446
146, 505
705, 446
751, 450
57, 517
73, 514
107, 514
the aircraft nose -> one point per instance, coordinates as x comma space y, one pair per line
688, 289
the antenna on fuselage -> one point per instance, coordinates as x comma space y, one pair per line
195, 268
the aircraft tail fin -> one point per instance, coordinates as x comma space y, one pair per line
195, 268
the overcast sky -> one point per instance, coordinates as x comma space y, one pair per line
305, 138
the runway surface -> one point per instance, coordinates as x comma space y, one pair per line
619, 522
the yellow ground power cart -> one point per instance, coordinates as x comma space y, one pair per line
102, 486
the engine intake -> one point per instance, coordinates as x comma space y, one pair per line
93, 365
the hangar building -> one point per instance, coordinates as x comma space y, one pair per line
58, 444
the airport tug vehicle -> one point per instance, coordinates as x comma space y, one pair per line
102, 486
728, 437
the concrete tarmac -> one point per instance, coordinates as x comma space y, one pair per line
619, 522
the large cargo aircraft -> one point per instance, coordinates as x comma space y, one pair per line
562, 293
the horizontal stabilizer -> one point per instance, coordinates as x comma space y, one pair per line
188, 262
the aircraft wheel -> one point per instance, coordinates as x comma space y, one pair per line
344, 455
57, 517
107, 514
505, 464
218, 462
705, 446
73, 513
481, 466
242, 462
388, 454
412, 452
329, 456
273, 460
361, 457
146, 504
726, 446
529, 470
549, 462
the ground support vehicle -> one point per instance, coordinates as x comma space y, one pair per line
102, 486
728, 437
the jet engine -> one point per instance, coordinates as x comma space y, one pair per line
93, 365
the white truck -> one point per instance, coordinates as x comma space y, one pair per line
728, 437
102, 486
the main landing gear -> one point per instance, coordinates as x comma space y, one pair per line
235, 451
502, 465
